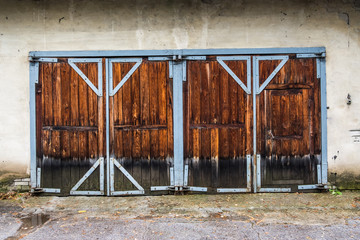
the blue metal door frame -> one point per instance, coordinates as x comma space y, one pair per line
176, 60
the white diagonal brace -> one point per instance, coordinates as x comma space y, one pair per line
221, 60
72, 62
132, 180
283, 59
138, 62
87, 174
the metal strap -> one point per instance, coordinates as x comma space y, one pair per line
72, 62
246, 88
283, 59
128, 176
137, 62
99, 162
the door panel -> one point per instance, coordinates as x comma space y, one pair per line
288, 124
70, 126
141, 124
217, 118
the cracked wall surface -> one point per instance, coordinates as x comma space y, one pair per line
39, 25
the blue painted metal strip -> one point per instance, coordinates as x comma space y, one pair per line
324, 162
189, 52
221, 60
33, 76
178, 124
275, 190
84, 77
107, 130
272, 75
138, 62
255, 71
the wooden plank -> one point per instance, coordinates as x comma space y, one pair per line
56, 93
117, 106
65, 160
74, 153
136, 155
205, 170
83, 98
46, 175
135, 97
84, 164
65, 94
233, 95
56, 159
154, 153
153, 90
127, 157
127, 101
214, 157
224, 157
163, 166
196, 156
195, 89
214, 93
92, 96
224, 96
218, 125
48, 94
127, 143
70, 128
204, 92
144, 94
145, 160
74, 97
161, 80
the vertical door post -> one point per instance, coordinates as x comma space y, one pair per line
34, 75
178, 123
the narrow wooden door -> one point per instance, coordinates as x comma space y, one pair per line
141, 134
288, 123
217, 124
69, 125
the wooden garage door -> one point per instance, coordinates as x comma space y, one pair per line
288, 123
69, 125
217, 124
141, 134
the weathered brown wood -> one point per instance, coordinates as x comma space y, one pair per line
70, 128
92, 96
65, 94
144, 93
74, 96
204, 92
211, 125
214, 93
83, 98
161, 75
56, 94
127, 101
145, 161
154, 93
140, 127
47, 93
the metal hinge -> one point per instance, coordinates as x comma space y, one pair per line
31, 59
311, 55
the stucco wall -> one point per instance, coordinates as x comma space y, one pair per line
37, 25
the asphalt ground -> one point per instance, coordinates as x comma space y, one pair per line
236, 216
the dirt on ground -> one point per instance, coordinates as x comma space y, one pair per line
236, 216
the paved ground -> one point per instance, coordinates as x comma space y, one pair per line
245, 216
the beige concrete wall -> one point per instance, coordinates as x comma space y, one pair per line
117, 25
